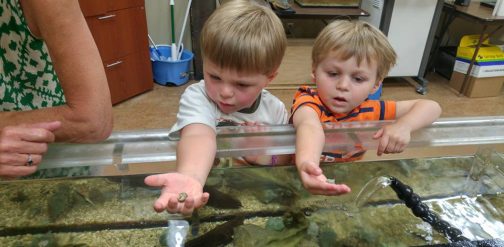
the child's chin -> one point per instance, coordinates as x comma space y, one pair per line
340, 110
226, 110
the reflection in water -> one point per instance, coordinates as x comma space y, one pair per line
371, 187
473, 216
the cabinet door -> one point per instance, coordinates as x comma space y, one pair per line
129, 76
103, 28
116, 78
94, 7
139, 72
101, 7
124, 4
119, 33
140, 28
131, 31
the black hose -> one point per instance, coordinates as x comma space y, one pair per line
421, 210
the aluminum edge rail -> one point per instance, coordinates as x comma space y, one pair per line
147, 146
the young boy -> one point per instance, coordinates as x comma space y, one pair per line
243, 44
350, 59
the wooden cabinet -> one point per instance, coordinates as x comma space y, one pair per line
119, 28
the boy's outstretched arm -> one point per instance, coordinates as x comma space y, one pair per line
310, 140
411, 115
195, 155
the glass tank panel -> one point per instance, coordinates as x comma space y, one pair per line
266, 206
154, 146
261, 206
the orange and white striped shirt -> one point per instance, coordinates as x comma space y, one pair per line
369, 110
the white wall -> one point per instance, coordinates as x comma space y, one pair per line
159, 21
408, 32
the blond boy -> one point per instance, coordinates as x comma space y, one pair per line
243, 44
350, 59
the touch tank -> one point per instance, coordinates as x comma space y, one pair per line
456, 167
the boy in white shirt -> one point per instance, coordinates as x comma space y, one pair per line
243, 45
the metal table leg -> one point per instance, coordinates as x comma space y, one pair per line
465, 84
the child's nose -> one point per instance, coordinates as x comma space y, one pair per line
226, 91
343, 83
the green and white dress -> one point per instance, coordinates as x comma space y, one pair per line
28, 80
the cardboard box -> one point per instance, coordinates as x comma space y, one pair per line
480, 69
488, 63
487, 74
478, 87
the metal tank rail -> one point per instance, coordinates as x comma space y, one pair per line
154, 146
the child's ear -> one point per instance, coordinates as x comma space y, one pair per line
271, 77
376, 86
313, 78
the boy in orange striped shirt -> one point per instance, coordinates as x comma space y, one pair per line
350, 59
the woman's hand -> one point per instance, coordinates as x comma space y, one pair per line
22, 147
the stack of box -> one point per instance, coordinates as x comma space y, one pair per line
487, 74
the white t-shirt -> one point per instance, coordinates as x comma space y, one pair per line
196, 107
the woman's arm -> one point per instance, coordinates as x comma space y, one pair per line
87, 115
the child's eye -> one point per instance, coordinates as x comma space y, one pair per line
360, 79
332, 74
243, 85
214, 77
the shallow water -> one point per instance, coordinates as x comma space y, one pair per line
118, 211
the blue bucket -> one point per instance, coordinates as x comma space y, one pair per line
174, 72
376, 95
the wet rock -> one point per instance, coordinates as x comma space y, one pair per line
45, 240
327, 237
19, 197
313, 230
162, 239
294, 219
275, 224
361, 237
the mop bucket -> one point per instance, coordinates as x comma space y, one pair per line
165, 71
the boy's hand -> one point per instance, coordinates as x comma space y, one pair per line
173, 185
316, 182
393, 138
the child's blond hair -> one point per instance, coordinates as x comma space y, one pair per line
346, 39
244, 36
